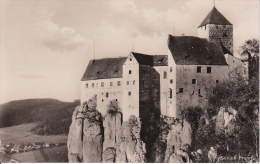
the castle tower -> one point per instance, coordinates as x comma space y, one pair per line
215, 27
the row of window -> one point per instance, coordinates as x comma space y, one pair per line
199, 69
103, 84
194, 81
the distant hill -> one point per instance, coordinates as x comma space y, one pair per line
53, 116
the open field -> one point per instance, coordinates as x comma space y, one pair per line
21, 134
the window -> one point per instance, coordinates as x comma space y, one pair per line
87, 85
111, 83
102, 100
130, 71
198, 69
93, 85
194, 81
171, 81
129, 93
134, 82
127, 83
165, 75
130, 59
106, 94
102, 84
217, 81
118, 83
199, 91
208, 69
180, 90
170, 94
170, 69
116, 99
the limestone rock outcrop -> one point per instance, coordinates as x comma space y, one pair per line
85, 139
179, 137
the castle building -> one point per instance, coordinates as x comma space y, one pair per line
148, 86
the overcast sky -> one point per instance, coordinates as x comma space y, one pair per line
46, 44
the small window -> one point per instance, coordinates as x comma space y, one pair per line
116, 99
170, 94
217, 81
93, 85
111, 84
130, 71
107, 94
129, 93
134, 82
118, 83
208, 69
194, 81
87, 85
170, 69
127, 83
199, 91
102, 100
171, 81
165, 75
180, 90
130, 59
198, 69
102, 84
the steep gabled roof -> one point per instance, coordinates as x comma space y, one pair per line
104, 69
143, 59
151, 60
189, 50
215, 17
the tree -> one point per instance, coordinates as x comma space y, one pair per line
243, 97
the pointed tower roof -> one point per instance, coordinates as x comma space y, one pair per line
215, 17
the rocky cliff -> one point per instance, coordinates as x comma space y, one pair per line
95, 139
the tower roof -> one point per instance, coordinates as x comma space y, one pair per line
215, 17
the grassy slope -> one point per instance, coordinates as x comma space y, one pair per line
53, 116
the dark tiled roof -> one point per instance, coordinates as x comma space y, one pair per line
189, 50
143, 59
215, 17
160, 60
225, 50
104, 69
151, 60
